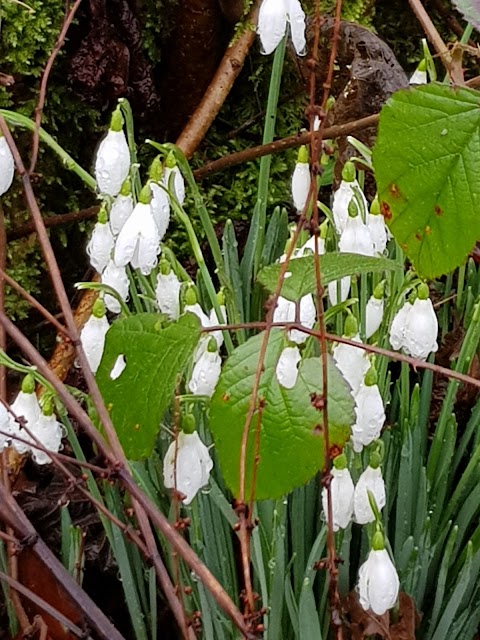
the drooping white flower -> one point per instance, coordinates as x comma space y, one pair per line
115, 277
351, 361
138, 243
273, 19
306, 249
167, 293
118, 368
112, 163
171, 169
369, 412
5, 418
7, 166
192, 466
206, 371
93, 335
370, 480
160, 209
101, 243
120, 212
301, 180
348, 191
344, 290
287, 367
415, 327
378, 582
397, 329
285, 311
49, 433
214, 321
26, 407
378, 232
420, 75
342, 490
356, 238
373, 315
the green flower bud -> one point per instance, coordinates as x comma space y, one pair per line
165, 267
375, 206
422, 66
352, 208
190, 296
126, 189
116, 123
47, 405
171, 161
340, 462
156, 170
98, 309
188, 423
221, 297
371, 377
145, 196
351, 326
375, 460
423, 291
379, 291
324, 229
28, 384
102, 216
378, 542
303, 155
348, 172
212, 346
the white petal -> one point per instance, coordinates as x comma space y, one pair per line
100, 246
378, 232
193, 465
356, 238
398, 327
301, 185
178, 183
49, 433
7, 166
284, 311
112, 163
214, 321
287, 367
5, 426
138, 242
120, 212
421, 330
296, 16
197, 310
419, 77
168, 294
341, 200
342, 490
352, 362
370, 416
378, 583
160, 209
118, 368
272, 24
373, 316
115, 277
92, 337
205, 374
344, 290
308, 317
25, 406
370, 480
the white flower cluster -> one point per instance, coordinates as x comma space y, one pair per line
27, 414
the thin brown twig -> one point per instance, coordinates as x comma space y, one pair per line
44, 82
52, 221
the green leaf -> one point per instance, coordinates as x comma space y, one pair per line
333, 267
291, 439
426, 166
155, 356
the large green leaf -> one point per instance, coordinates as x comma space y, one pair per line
291, 440
155, 355
426, 165
300, 276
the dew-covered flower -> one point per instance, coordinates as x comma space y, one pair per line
345, 284
378, 582
160, 209
138, 242
115, 277
287, 367
348, 191
378, 232
7, 165
192, 465
301, 180
356, 237
101, 243
286, 311
206, 370
174, 175
415, 327
341, 491
112, 162
374, 311
369, 412
49, 433
26, 408
121, 208
370, 480
167, 291
93, 335
273, 18
351, 361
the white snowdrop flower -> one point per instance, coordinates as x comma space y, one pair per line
344, 290
273, 19
192, 466
24, 406
214, 321
369, 412
171, 169
118, 367
370, 480
206, 371
197, 310
121, 210
344, 195
301, 180
160, 209
378, 582
378, 233
285, 311
115, 277
374, 312
351, 361
287, 367
138, 242
397, 329
101, 243
5, 427
49, 433
420, 75
341, 491
112, 162
93, 335
306, 249
167, 292
356, 238
7, 166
